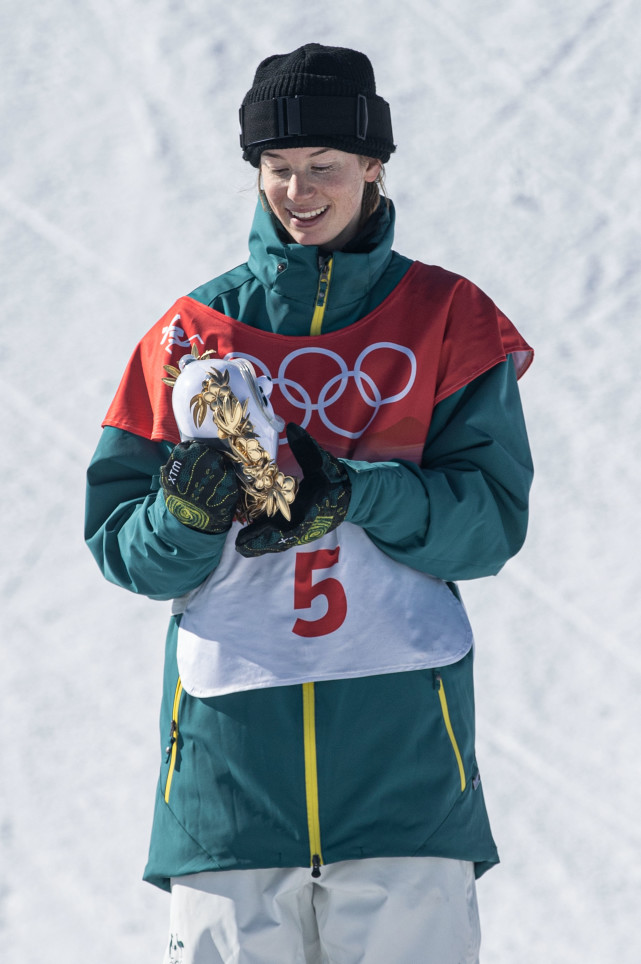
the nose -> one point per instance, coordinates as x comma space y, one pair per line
299, 187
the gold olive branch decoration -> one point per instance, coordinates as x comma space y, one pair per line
265, 488
174, 372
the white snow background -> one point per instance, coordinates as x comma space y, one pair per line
121, 187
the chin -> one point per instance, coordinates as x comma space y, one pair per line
309, 240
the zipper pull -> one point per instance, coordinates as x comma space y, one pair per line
316, 866
323, 280
172, 740
325, 271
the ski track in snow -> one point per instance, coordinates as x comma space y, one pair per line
518, 165
579, 624
62, 241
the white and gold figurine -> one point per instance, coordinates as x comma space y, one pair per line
224, 400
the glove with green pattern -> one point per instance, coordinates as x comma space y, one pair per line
320, 505
201, 487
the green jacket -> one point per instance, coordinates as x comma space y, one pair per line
395, 766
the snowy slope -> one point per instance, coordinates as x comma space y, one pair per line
121, 187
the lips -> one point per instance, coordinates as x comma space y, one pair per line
307, 216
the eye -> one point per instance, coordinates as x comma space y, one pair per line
275, 171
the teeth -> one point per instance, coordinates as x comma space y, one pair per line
305, 216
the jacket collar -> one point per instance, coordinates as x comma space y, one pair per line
291, 270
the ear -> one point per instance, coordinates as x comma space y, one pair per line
373, 168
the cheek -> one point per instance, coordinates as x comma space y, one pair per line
354, 191
269, 190
274, 197
272, 187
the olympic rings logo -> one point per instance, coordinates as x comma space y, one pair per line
334, 388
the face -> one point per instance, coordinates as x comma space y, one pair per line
316, 193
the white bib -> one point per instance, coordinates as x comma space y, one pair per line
337, 608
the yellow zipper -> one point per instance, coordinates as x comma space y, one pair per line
172, 748
450, 730
321, 297
309, 696
311, 778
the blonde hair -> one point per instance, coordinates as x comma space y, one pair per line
372, 195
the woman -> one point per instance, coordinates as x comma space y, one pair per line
319, 797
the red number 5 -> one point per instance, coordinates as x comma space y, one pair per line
305, 591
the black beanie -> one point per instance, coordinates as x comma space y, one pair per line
315, 96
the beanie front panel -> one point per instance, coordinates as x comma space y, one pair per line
315, 72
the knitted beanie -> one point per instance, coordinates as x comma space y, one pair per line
315, 96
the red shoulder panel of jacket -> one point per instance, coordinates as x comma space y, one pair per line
366, 391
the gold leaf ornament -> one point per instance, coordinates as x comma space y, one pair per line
266, 490
174, 372
173, 375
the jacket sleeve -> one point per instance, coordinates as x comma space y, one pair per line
463, 512
135, 540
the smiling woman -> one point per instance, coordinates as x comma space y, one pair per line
319, 797
317, 194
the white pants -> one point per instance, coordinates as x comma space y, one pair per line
392, 910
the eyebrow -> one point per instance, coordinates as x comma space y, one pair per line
323, 150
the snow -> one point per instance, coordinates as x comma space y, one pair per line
121, 188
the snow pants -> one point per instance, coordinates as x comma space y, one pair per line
392, 910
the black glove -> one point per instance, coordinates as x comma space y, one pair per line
201, 487
320, 505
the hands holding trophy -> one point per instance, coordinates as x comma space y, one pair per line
227, 425
225, 466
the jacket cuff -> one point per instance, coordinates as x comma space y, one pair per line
388, 499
